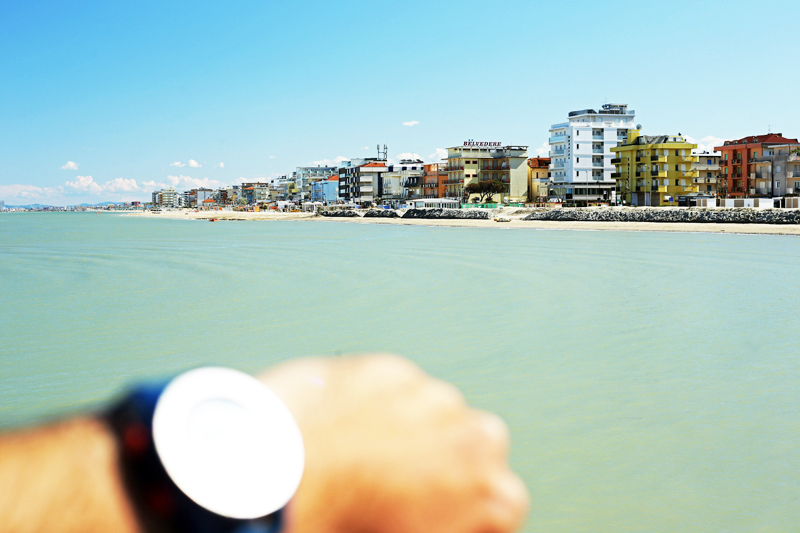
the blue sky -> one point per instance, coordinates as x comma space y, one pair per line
116, 92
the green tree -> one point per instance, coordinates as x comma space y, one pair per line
486, 189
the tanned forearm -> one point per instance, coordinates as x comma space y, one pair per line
63, 477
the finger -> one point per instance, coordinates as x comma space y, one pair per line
491, 432
507, 506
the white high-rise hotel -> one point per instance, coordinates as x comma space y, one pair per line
580, 152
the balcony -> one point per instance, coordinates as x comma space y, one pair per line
616, 161
638, 159
597, 151
723, 162
557, 166
658, 159
616, 175
658, 173
597, 136
687, 158
558, 139
597, 164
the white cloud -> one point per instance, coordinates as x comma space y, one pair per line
706, 144
330, 162
272, 157
177, 164
121, 185
194, 164
189, 182
438, 155
221, 165
411, 123
84, 184
30, 193
543, 150
71, 165
365, 147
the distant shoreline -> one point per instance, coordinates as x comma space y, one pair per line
514, 222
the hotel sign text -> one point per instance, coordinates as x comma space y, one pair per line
482, 144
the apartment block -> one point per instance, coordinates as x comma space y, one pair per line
474, 162
738, 162
708, 172
538, 179
654, 170
361, 180
580, 152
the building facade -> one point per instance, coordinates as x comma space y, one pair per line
361, 180
708, 172
738, 161
474, 162
538, 179
580, 153
304, 177
777, 172
167, 198
654, 170
326, 190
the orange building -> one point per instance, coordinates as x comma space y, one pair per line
739, 158
434, 181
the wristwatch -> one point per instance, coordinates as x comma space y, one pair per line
211, 451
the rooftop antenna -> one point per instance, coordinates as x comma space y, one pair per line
383, 155
769, 128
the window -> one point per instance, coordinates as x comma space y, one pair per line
577, 159
577, 133
755, 154
676, 183
577, 174
683, 183
708, 174
578, 146
676, 152
778, 168
708, 162
676, 168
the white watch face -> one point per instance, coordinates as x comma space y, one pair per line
228, 442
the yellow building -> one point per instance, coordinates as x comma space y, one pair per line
654, 170
538, 179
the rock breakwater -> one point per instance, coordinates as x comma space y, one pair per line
694, 215
338, 214
473, 214
381, 213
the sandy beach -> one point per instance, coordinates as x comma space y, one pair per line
514, 222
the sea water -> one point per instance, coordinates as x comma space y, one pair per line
650, 380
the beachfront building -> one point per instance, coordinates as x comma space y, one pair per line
538, 179
708, 172
777, 172
738, 162
167, 198
361, 180
580, 153
434, 181
255, 193
474, 162
304, 177
325, 191
654, 170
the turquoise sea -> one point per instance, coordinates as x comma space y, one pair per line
651, 381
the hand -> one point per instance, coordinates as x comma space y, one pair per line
390, 449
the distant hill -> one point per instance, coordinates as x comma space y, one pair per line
35, 206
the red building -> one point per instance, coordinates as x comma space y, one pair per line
739, 158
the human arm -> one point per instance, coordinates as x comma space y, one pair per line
63, 477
